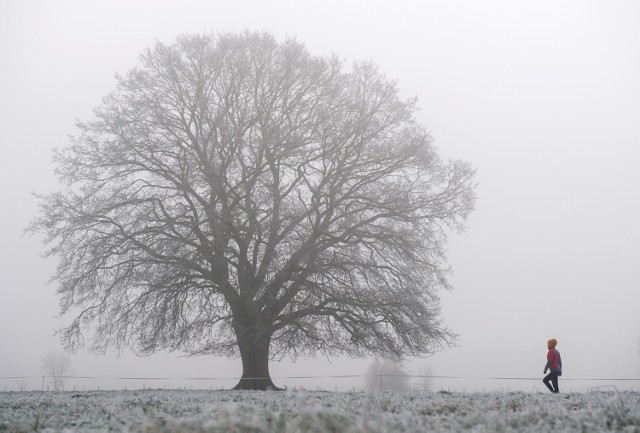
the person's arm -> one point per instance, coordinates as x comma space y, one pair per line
546, 367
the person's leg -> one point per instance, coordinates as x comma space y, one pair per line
546, 381
554, 382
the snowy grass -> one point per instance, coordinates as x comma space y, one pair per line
305, 411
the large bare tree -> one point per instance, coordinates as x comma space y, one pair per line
237, 195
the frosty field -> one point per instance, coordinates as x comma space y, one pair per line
306, 411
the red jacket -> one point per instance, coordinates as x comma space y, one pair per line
554, 362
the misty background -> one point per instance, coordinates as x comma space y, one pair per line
543, 98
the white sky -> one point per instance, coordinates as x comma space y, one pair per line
542, 97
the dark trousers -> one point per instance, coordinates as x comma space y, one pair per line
553, 378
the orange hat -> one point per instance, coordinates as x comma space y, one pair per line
553, 342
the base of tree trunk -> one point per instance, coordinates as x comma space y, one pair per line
256, 385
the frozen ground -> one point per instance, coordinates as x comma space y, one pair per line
306, 411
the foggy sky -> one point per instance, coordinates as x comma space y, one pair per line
543, 98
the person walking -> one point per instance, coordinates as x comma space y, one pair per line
554, 364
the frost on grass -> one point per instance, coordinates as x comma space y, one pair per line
223, 411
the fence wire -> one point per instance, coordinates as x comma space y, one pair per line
338, 376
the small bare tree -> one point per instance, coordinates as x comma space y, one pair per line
424, 382
58, 367
387, 375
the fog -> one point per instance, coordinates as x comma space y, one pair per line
543, 98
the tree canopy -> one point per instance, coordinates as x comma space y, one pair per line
239, 195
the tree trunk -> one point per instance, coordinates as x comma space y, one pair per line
254, 350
